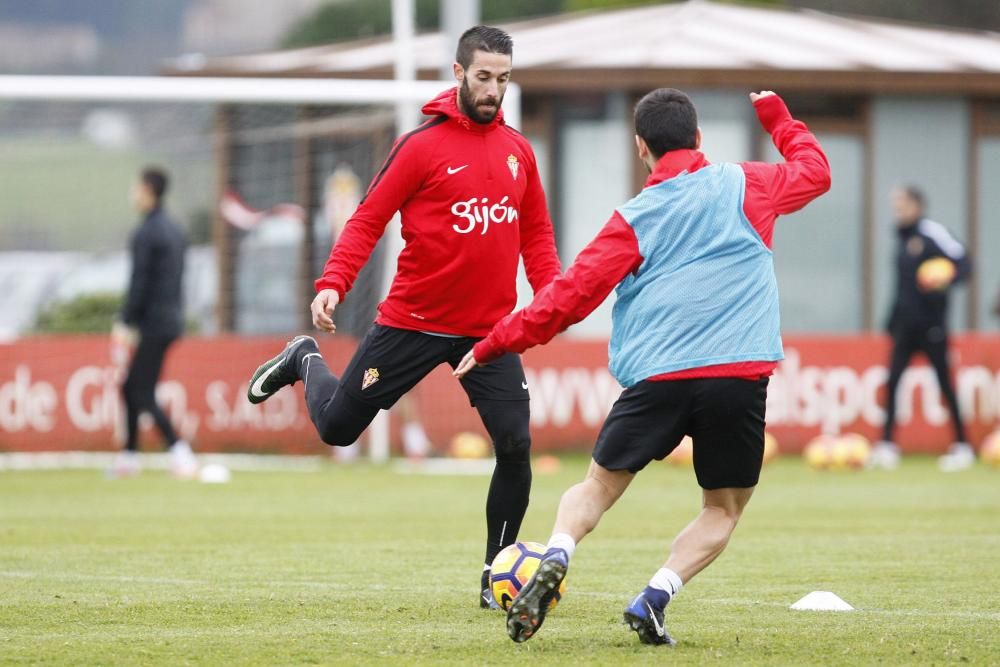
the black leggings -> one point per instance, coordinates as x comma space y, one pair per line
907, 341
341, 418
139, 390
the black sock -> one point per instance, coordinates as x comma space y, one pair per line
506, 504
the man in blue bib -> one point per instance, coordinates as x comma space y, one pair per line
695, 337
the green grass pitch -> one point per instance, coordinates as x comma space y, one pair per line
360, 565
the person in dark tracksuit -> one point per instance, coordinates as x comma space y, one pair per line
153, 314
918, 320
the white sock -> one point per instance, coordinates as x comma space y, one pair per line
415, 442
667, 580
181, 447
562, 541
346, 454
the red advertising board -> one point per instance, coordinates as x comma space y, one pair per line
61, 393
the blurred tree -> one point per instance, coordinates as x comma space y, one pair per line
200, 227
364, 18
576, 5
353, 20
87, 313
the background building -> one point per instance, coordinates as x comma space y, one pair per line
890, 102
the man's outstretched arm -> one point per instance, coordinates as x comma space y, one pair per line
805, 173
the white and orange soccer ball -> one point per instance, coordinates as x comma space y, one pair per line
837, 452
851, 452
771, 450
989, 451
936, 273
683, 454
818, 452
467, 445
512, 568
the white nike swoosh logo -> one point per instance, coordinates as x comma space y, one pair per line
456, 169
257, 389
656, 624
524, 385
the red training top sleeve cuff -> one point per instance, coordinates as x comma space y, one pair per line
486, 351
322, 284
771, 111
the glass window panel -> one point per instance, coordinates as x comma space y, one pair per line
985, 255
817, 251
594, 179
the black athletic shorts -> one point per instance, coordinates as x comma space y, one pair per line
390, 361
723, 416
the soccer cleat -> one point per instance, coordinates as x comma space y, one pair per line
884, 455
279, 371
126, 464
486, 599
960, 457
183, 464
527, 611
647, 620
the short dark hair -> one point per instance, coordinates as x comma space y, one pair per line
666, 120
156, 180
915, 194
482, 38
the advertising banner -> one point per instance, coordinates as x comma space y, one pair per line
62, 393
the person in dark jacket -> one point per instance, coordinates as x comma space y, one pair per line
152, 318
929, 261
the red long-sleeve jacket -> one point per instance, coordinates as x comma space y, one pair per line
771, 190
471, 204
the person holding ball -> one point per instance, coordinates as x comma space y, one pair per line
929, 262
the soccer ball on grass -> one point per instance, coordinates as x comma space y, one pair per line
512, 568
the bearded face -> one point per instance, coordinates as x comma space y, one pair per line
483, 85
480, 109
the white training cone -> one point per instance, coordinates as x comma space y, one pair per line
822, 601
214, 473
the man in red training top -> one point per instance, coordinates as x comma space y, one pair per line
467, 188
695, 334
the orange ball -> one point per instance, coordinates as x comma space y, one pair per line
547, 464
936, 273
469, 446
771, 450
683, 454
818, 453
989, 452
855, 450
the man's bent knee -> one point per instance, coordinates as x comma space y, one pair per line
611, 482
729, 501
512, 448
341, 435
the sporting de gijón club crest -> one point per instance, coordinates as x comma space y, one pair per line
370, 378
512, 164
